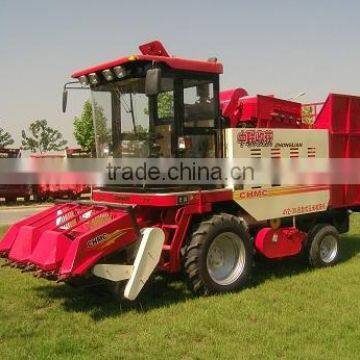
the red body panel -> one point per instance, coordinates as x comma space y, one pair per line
156, 53
84, 251
276, 244
50, 250
270, 112
230, 104
340, 114
161, 200
259, 111
32, 221
173, 62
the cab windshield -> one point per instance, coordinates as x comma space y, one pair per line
130, 124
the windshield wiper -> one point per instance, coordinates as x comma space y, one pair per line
132, 112
128, 109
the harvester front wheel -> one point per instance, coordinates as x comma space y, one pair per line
218, 258
322, 247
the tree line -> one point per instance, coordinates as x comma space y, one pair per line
41, 137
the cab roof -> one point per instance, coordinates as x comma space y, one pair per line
155, 52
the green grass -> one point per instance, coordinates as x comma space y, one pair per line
288, 311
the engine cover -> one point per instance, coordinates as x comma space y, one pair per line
279, 243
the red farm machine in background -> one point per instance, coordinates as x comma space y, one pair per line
10, 192
44, 191
212, 233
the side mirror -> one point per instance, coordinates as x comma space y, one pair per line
153, 82
64, 100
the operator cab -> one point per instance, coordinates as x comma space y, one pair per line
154, 105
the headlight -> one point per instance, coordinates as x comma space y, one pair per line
119, 71
108, 75
83, 80
94, 79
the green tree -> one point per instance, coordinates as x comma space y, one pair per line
84, 132
103, 133
5, 139
165, 103
42, 138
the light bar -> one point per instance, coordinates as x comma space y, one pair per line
94, 79
119, 71
83, 80
108, 75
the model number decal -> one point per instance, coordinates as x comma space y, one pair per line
304, 209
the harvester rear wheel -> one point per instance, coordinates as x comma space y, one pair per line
322, 247
218, 258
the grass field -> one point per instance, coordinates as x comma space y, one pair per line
288, 311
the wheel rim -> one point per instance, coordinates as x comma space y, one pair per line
226, 258
328, 249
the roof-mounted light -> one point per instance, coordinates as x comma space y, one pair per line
94, 79
84, 80
108, 74
119, 71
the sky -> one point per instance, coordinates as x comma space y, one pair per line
267, 47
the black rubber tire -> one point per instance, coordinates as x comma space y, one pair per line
314, 238
195, 258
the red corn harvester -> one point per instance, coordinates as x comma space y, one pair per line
125, 233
